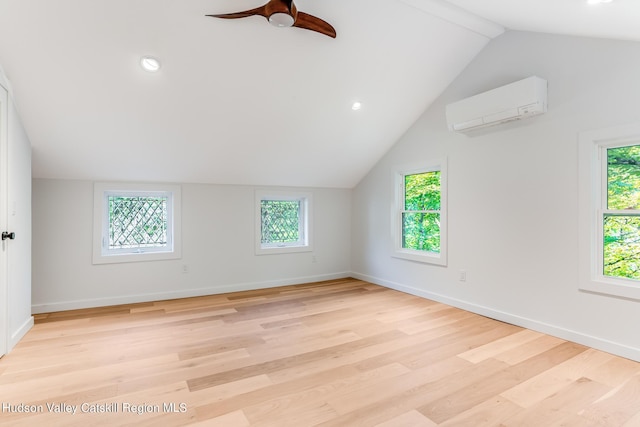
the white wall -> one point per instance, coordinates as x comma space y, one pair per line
217, 248
513, 193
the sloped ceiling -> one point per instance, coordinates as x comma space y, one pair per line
236, 101
616, 19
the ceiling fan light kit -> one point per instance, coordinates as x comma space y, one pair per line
281, 20
283, 13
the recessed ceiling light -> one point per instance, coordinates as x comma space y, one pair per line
356, 106
598, 1
150, 64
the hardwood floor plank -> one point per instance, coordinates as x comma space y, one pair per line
499, 346
613, 372
477, 392
336, 353
489, 413
287, 362
412, 418
266, 394
561, 406
543, 385
460, 341
285, 407
528, 349
409, 391
633, 421
364, 359
232, 419
617, 407
219, 345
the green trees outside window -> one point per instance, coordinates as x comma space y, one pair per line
421, 214
621, 217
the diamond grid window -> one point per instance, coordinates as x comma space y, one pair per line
283, 222
137, 222
280, 221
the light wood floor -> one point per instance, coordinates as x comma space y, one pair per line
339, 353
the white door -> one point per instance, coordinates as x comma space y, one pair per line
4, 244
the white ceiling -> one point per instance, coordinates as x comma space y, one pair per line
239, 101
619, 19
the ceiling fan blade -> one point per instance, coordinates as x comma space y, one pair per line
257, 11
310, 22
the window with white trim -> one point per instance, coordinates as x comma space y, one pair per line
620, 211
136, 222
419, 226
283, 222
610, 211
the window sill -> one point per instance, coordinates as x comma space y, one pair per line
135, 257
621, 288
285, 250
423, 257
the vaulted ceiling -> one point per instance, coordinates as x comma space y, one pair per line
242, 102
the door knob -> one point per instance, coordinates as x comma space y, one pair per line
6, 235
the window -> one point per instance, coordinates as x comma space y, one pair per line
420, 231
609, 218
283, 222
136, 223
620, 211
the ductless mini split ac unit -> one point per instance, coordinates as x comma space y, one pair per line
518, 100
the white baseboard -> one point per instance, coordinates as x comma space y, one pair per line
186, 293
19, 333
557, 331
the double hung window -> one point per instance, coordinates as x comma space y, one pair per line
420, 231
609, 217
619, 213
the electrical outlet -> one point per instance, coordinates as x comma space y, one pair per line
185, 269
462, 276
314, 259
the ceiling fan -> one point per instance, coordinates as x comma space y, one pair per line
283, 13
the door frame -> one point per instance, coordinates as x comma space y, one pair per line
4, 264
